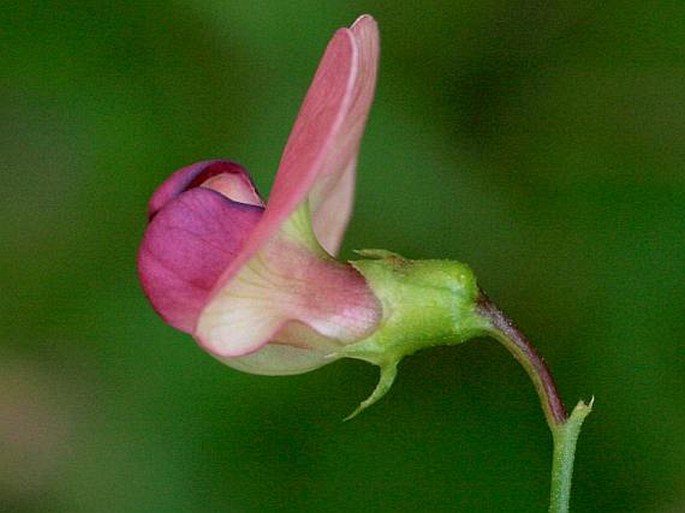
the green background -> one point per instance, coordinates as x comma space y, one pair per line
541, 142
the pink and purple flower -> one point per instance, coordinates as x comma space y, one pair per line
257, 284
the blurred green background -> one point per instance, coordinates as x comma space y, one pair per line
541, 142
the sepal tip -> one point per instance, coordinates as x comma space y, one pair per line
388, 372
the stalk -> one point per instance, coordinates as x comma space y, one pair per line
565, 429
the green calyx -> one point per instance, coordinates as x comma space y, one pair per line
425, 303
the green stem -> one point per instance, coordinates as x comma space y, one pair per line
565, 429
565, 437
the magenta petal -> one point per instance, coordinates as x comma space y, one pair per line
196, 174
188, 244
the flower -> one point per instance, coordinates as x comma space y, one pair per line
257, 285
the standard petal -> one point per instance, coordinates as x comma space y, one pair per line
188, 244
227, 177
331, 199
319, 160
321, 154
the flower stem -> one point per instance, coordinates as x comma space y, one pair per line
565, 429
508, 334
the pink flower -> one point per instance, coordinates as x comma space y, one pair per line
256, 285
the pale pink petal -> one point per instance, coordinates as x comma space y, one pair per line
187, 245
293, 350
284, 283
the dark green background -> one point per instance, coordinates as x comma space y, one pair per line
541, 142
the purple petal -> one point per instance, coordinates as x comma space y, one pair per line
189, 243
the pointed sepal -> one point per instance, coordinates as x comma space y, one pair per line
388, 372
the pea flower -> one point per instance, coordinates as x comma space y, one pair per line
257, 285
259, 288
